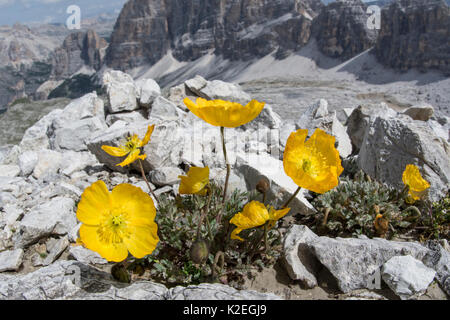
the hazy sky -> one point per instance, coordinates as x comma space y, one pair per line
54, 11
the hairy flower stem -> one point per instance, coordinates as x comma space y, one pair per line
200, 223
205, 211
146, 181
222, 133
292, 198
404, 193
224, 244
208, 225
325, 218
219, 257
255, 244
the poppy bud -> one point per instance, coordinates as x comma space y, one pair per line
263, 185
199, 251
381, 225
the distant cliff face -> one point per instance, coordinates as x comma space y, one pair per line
78, 49
147, 29
21, 45
23, 61
415, 34
29, 56
341, 29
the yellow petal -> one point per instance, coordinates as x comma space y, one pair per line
275, 215
413, 179
293, 154
195, 182
148, 135
234, 234
224, 113
137, 204
315, 164
95, 201
325, 144
142, 240
110, 251
133, 156
115, 152
278, 214
255, 214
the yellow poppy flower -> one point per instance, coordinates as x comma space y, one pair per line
417, 185
315, 164
131, 147
116, 222
255, 214
195, 182
222, 113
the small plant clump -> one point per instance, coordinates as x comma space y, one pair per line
362, 206
437, 222
192, 251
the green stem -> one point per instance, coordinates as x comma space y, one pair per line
404, 193
146, 181
219, 256
255, 245
292, 198
227, 236
222, 133
208, 224
325, 218
207, 210
204, 215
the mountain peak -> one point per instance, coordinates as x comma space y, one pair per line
239, 30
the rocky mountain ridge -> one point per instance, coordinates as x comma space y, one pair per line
415, 34
341, 29
23, 61
79, 49
147, 31
32, 55
21, 45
